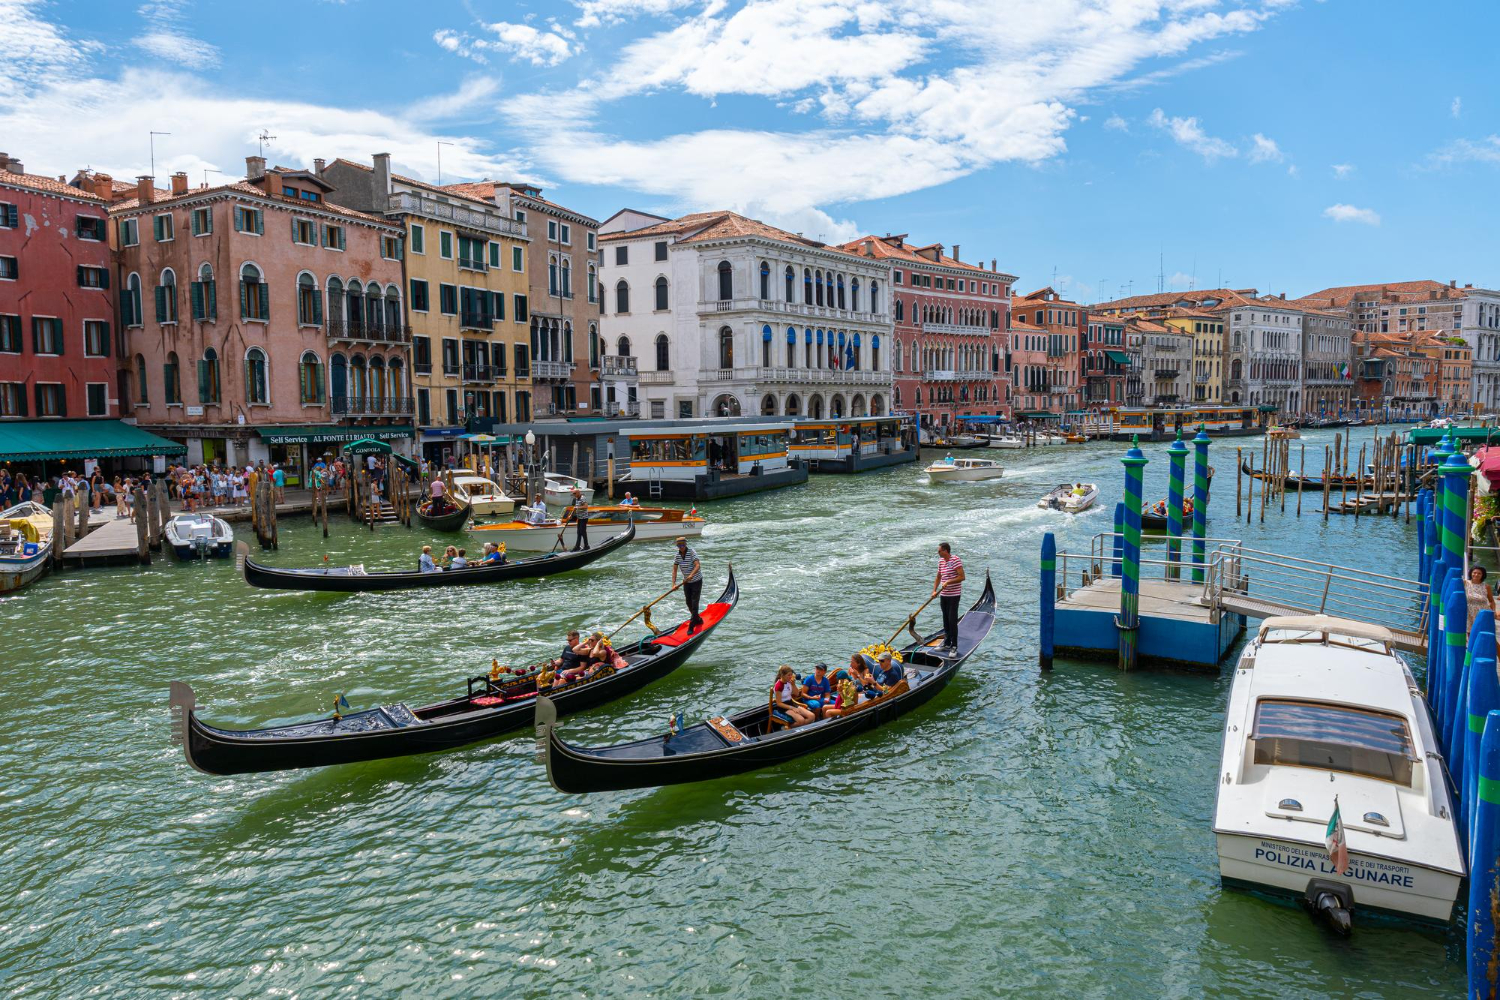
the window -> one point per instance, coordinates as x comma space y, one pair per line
448, 300
166, 297
765, 280
88, 227
896, 277
10, 334
1372, 744
521, 315
12, 399
661, 294
726, 348
494, 254
309, 301
208, 376
92, 277
171, 380
622, 255
523, 370
51, 400
726, 281
95, 338
445, 244
552, 275
204, 295
567, 234
418, 295
46, 335
130, 232
143, 397
9, 270
255, 377
161, 228
249, 220
418, 239
622, 297
390, 247
791, 284
593, 288
305, 231
424, 407
130, 301
98, 398
593, 242
567, 278
9, 219
470, 252
517, 259
203, 221
552, 230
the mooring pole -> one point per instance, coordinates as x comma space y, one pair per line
1048, 597
1484, 867
1129, 622
1200, 502
1119, 540
1484, 698
1176, 457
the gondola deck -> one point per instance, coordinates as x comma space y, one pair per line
722, 747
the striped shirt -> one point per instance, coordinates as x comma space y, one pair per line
948, 576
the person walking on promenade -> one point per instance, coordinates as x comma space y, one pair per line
948, 588
686, 560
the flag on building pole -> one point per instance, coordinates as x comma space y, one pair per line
1336, 841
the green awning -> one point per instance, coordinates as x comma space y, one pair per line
1118, 357
1038, 415
36, 440
297, 433
365, 446
1464, 435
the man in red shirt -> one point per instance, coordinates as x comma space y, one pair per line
948, 588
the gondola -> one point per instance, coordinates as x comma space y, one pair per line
1311, 484
491, 707
722, 747
453, 520
355, 579
1154, 515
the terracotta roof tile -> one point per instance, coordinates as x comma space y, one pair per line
883, 248
244, 187
1340, 296
50, 185
1159, 300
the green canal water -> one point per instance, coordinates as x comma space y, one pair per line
1023, 833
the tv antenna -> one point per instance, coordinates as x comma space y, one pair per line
264, 138
152, 140
440, 146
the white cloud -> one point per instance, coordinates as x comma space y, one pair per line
1291, 170
594, 13
1342, 170
1348, 213
165, 39
521, 42
1263, 150
1117, 123
473, 92
1186, 132
34, 51
1486, 150
1456, 108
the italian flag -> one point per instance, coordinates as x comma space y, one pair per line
1343, 369
1335, 840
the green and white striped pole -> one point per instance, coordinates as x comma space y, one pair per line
1200, 502
1129, 621
1176, 459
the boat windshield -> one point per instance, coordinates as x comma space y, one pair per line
1333, 738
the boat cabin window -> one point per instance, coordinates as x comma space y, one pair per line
1333, 738
1318, 636
667, 450
813, 435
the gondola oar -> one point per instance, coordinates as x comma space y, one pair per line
647, 608
911, 620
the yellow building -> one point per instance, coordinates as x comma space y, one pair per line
466, 300
1207, 331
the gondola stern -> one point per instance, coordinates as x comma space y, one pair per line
546, 721
241, 558
182, 702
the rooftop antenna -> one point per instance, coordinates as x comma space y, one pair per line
1193, 281
440, 146
1161, 272
206, 172
264, 138
1054, 277
152, 140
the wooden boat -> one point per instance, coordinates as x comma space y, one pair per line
492, 706
1065, 499
356, 579
749, 740
1278, 432
483, 496
453, 518
199, 535
651, 524
25, 545
1075, 438
966, 470
558, 490
1313, 484
1154, 515
1323, 715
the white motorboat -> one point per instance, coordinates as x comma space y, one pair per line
559, 489
1073, 498
964, 470
1323, 714
652, 524
199, 536
25, 544
1007, 441
482, 495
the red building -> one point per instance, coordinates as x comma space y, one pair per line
1065, 323
57, 341
950, 336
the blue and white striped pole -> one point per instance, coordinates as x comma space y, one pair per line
1452, 642
1119, 540
1483, 698
1129, 622
1200, 502
1484, 867
1481, 643
1176, 459
1048, 597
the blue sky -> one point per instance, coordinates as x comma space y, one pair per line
1283, 145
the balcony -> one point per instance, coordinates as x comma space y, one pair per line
361, 407
491, 223
618, 366
958, 330
557, 370
421, 367
1200, 379
475, 320
812, 376
451, 369
630, 409
341, 330
798, 309
552, 410
940, 375
1165, 373
472, 264
482, 373
656, 378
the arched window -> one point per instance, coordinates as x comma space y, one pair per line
793, 405
336, 325
854, 294
765, 280
338, 383
166, 297
358, 387
552, 274
255, 298
144, 395
765, 348
622, 348
726, 281
171, 380
818, 287
896, 356
593, 278
874, 296
203, 295
622, 297
567, 278
310, 379
374, 314
791, 284
130, 302
768, 405
392, 309
900, 312
726, 348
256, 390
663, 360
841, 291
377, 383
400, 401
807, 288
309, 302
661, 293
208, 376
356, 308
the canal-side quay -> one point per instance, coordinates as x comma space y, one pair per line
1048, 830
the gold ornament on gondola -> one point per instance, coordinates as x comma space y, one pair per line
875, 650
494, 669
647, 620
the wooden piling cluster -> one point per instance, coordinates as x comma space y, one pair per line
263, 509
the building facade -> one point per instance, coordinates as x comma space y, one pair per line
1269, 333
1066, 324
1030, 372
731, 316
58, 337
1106, 363
466, 271
1207, 364
262, 321
1327, 361
1166, 363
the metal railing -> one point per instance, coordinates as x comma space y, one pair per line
339, 328
487, 221
371, 406
617, 365
551, 369
630, 408
481, 373
958, 329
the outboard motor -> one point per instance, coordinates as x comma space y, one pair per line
1332, 903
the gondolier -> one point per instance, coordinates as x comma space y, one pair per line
581, 515
949, 587
686, 560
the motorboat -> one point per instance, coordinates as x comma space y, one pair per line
964, 470
199, 536
1329, 751
1282, 432
651, 524
483, 496
1007, 441
25, 544
558, 490
1072, 498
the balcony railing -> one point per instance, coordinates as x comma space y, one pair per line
552, 410
1167, 372
340, 329
355, 407
475, 320
811, 376
552, 369
491, 222
618, 366
958, 329
472, 264
482, 373
631, 409
451, 369
422, 367
656, 378
1200, 379
798, 308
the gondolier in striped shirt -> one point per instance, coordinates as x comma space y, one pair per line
686, 560
949, 587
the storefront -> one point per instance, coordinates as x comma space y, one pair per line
296, 448
43, 448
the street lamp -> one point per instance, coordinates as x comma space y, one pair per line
531, 462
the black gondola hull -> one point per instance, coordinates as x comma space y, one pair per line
452, 521
257, 575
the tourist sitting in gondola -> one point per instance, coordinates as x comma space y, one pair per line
786, 703
494, 553
818, 690
887, 673
425, 562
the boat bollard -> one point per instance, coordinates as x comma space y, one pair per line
1456, 620
1048, 595
1481, 639
1484, 867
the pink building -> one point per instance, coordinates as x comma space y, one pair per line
261, 321
1030, 372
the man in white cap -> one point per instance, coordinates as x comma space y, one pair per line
686, 560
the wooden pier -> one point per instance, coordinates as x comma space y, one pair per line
109, 542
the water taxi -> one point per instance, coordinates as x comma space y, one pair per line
651, 524
1071, 498
25, 544
1006, 441
964, 470
481, 495
559, 488
199, 536
1324, 717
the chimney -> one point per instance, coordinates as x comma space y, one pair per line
869, 248
179, 182
255, 167
1283, 296
382, 186
145, 189
318, 165
8, 162
1452, 282
104, 187
955, 251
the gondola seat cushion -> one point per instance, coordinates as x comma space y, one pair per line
711, 616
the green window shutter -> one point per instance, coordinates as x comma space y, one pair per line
104, 277
260, 222
210, 293
161, 304
294, 230
317, 304
79, 271
499, 305
195, 293
104, 337
341, 238
244, 300
265, 300
239, 219
202, 381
